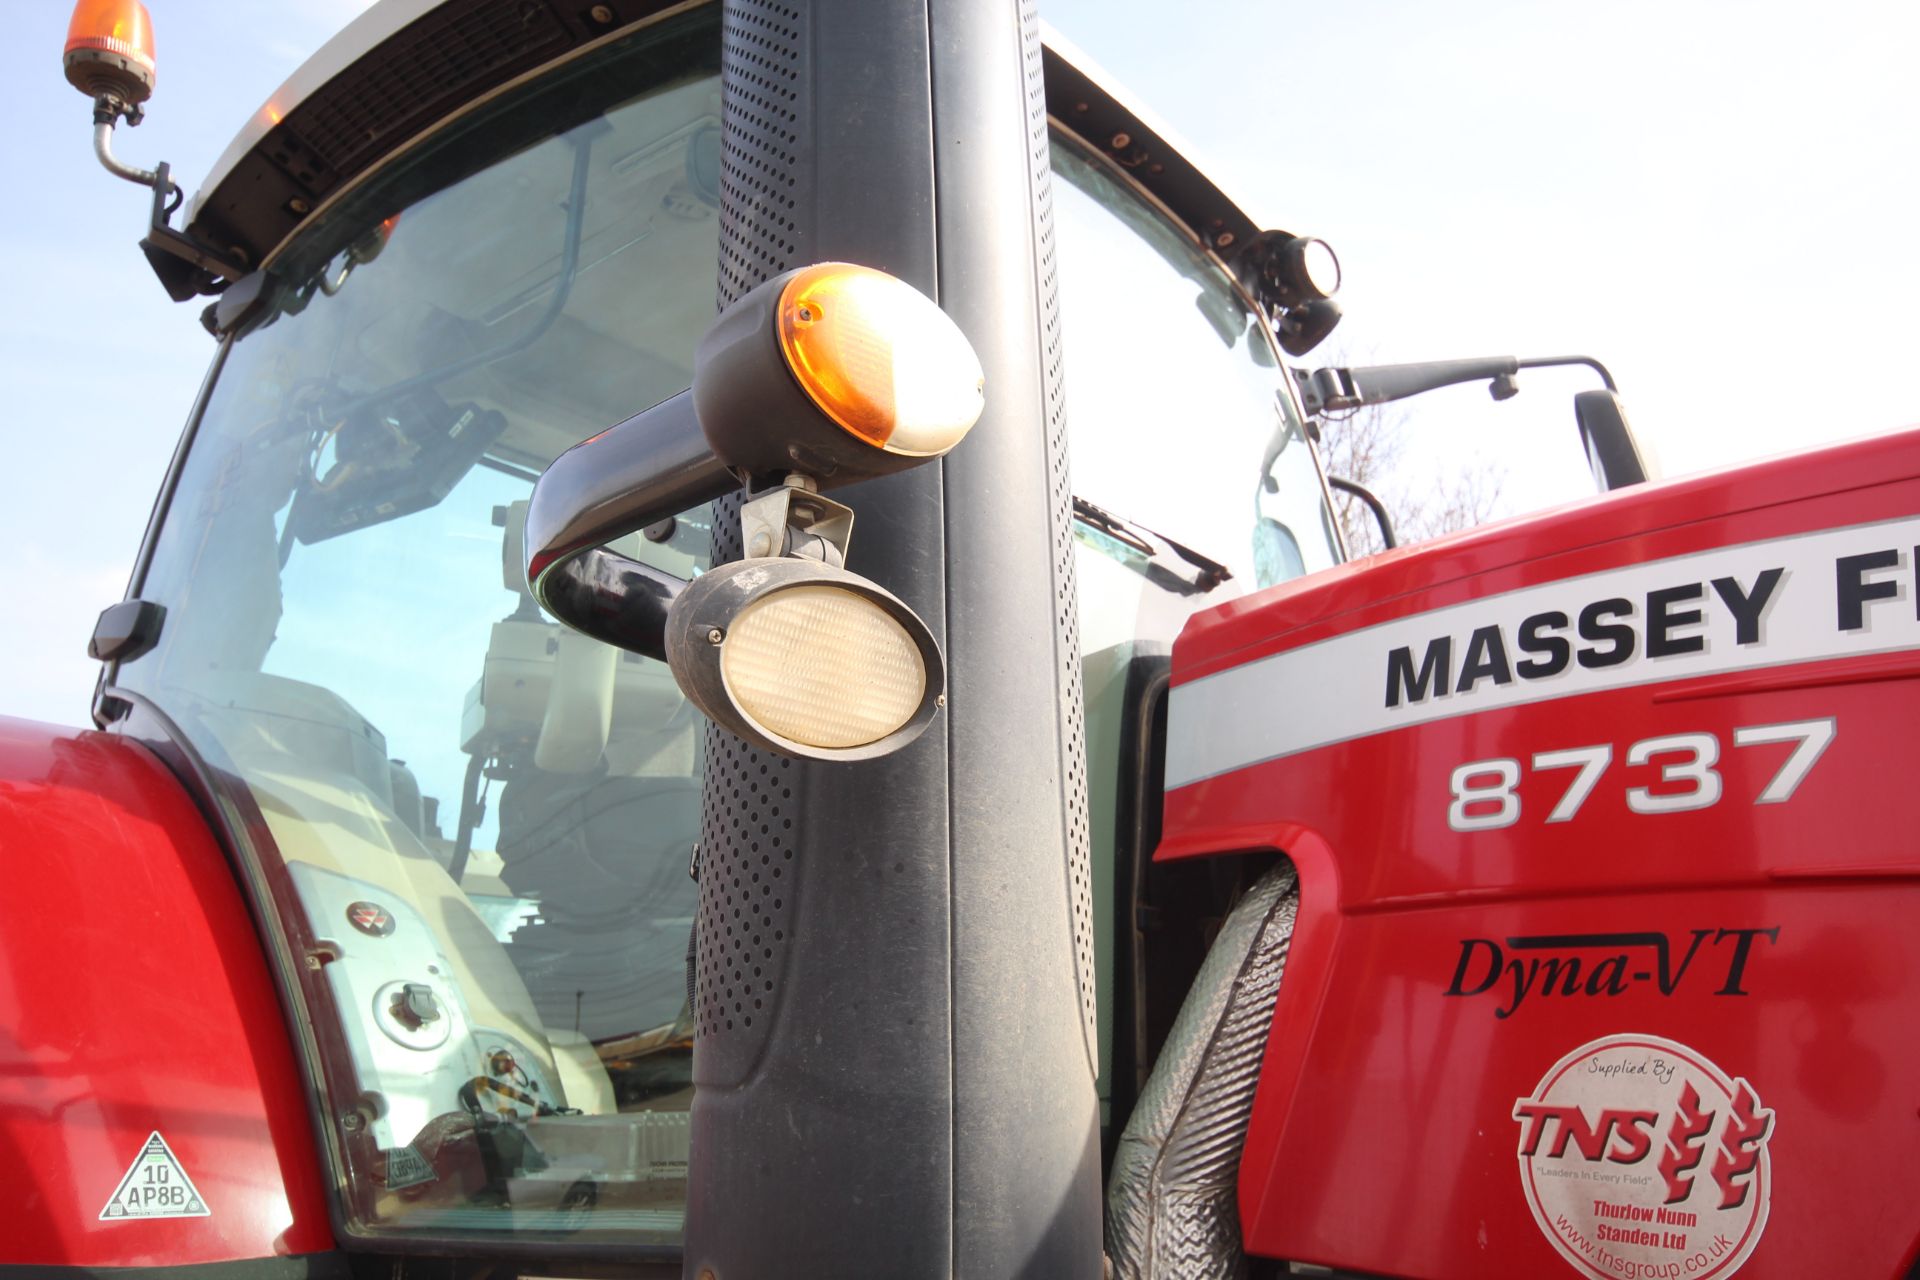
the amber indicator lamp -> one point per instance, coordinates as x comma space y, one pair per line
879, 358
837, 372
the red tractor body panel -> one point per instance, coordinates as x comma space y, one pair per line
1606, 961
134, 1001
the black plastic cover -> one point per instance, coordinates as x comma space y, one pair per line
126, 630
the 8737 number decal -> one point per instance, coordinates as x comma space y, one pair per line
1484, 795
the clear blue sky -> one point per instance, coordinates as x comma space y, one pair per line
1716, 198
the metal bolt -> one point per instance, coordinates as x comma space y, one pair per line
600, 14
353, 1122
940, 700
1121, 140
1222, 240
299, 206
715, 635
761, 545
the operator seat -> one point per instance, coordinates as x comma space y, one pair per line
598, 810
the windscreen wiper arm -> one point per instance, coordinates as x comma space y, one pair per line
1211, 572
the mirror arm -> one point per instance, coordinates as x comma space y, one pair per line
654, 465
1337, 389
614, 599
1374, 505
1544, 362
1333, 390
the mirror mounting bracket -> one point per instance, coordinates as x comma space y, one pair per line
794, 520
186, 267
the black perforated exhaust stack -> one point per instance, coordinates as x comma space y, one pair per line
894, 1052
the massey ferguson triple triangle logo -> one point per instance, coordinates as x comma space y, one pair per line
1642, 1160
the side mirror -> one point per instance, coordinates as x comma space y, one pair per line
1611, 450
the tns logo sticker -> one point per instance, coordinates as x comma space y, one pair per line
1643, 1160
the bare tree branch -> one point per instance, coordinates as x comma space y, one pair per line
1367, 447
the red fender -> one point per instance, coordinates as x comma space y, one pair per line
135, 999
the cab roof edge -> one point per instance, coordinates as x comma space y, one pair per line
292, 153
373, 27
1089, 103
370, 90
1123, 97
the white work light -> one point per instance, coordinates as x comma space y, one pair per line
805, 659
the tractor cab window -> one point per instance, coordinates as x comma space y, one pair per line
479, 821
1193, 483
1183, 424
